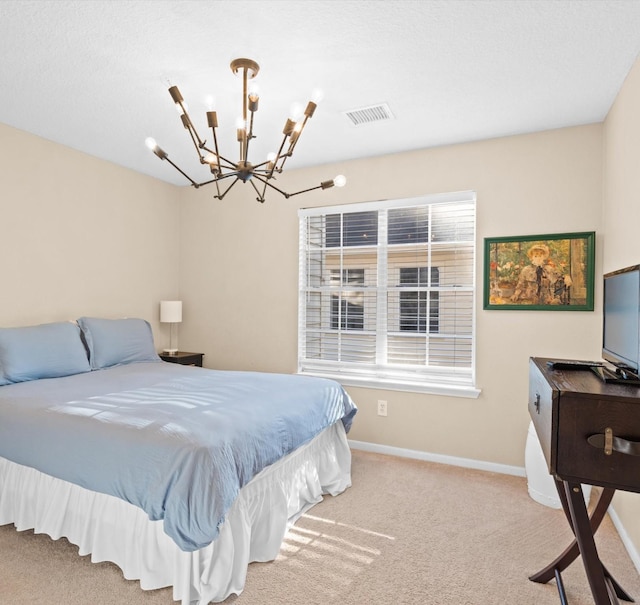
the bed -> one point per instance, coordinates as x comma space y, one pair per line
179, 475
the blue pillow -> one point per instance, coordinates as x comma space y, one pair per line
44, 351
117, 341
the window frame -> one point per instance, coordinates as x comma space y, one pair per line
393, 376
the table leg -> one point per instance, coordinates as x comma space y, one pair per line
570, 554
586, 544
605, 583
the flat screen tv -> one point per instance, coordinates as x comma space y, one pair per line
621, 325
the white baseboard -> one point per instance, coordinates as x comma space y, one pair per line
493, 467
626, 540
481, 465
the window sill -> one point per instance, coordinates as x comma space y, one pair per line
448, 390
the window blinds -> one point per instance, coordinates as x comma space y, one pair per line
387, 291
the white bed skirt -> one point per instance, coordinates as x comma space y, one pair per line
113, 530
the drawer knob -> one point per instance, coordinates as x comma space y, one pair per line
536, 403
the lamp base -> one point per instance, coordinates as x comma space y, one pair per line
170, 351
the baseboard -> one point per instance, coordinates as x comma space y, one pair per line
493, 467
626, 540
481, 465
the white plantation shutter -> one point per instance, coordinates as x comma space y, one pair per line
387, 293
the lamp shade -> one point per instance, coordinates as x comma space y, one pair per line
171, 311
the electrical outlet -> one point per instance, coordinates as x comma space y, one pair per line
382, 407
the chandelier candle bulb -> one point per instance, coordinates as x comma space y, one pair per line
243, 169
151, 144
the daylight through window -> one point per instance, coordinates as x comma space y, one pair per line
387, 293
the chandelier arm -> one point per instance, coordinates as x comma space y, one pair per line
220, 158
293, 141
196, 185
260, 167
241, 140
212, 121
296, 136
260, 197
218, 178
217, 182
284, 159
247, 140
197, 141
268, 184
262, 180
307, 190
248, 136
229, 164
215, 144
251, 135
277, 158
227, 189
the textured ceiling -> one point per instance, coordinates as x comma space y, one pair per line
93, 75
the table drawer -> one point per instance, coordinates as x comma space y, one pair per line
578, 419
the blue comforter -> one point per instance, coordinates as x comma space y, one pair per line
179, 442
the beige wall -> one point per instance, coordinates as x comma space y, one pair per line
80, 236
621, 218
239, 278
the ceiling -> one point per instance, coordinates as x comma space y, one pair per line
94, 75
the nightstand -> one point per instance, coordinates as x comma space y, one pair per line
183, 358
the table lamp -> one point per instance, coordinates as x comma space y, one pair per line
171, 313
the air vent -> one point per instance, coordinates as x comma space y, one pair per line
367, 115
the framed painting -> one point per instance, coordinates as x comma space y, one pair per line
540, 272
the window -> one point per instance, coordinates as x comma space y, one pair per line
347, 311
413, 303
387, 293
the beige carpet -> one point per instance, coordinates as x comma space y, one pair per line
407, 532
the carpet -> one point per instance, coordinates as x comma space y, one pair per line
407, 533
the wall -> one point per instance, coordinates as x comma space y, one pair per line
85, 237
621, 217
81, 236
239, 277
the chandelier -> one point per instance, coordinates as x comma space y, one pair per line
243, 170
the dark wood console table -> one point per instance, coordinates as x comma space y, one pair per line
589, 431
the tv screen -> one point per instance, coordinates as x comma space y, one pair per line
621, 327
